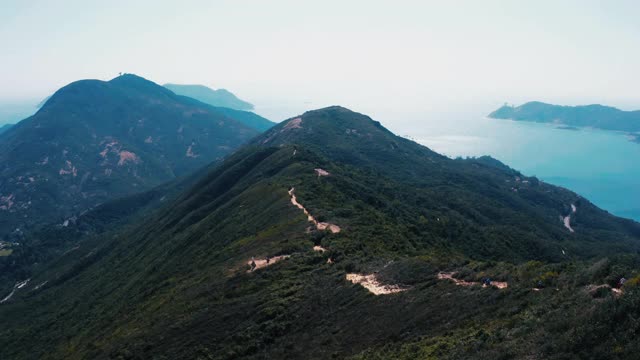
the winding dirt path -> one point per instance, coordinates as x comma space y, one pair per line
262, 263
8, 296
567, 219
371, 283
18, 285
319, 225
498, 284
449, 276
591, 289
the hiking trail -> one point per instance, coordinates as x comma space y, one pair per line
592, 289
18, 285
319, 225
567, 219
449, 276
262, 263
371, 283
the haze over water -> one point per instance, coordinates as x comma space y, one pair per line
600, 165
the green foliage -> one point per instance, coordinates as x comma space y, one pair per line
633, 282
95, 141
173, 282
547, 279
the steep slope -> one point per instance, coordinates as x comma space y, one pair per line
5, 127
44, 101
473, 189
219, 98
93, 141
325, 202
352, 138
26, 253
597, 116
248, 118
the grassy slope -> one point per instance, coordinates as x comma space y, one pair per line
48, 241
175, 286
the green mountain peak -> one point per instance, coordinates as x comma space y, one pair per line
328, 236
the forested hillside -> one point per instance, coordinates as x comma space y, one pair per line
94, 141
330, 237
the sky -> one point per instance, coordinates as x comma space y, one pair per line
423, 55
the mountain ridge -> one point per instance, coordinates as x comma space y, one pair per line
219, 97
95, 140
224, 101
178, 284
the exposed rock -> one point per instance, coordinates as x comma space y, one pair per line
372, 284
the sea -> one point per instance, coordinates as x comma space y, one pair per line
602, 166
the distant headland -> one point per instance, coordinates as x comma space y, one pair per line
572, 117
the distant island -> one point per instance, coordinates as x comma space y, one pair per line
219, 98
569, 117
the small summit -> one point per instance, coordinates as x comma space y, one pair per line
352, 137
138, 83
130, 78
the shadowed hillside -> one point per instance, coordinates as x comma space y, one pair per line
366, 245
93, 141
226, 103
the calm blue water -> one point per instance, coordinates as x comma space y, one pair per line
600, 165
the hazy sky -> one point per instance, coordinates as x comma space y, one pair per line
357, 53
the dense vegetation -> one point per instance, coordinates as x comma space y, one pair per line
32, 250
93, 141
173, 282
596, 116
